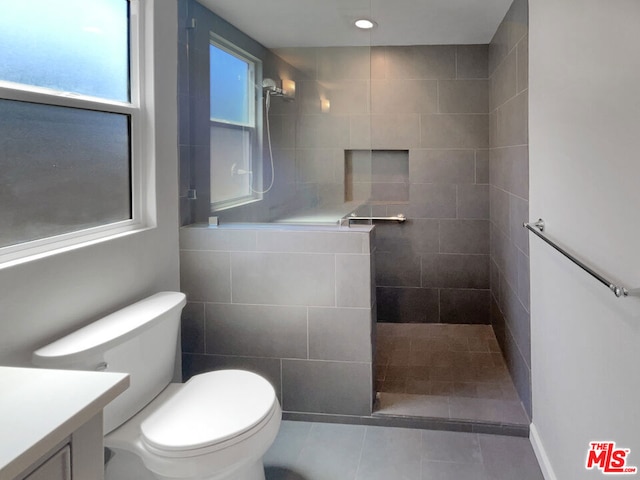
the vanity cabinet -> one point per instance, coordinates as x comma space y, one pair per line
51, 422
56, 467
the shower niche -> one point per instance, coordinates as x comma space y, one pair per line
376, 178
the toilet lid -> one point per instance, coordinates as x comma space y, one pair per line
211, 408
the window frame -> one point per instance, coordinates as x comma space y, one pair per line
254, 127
139, 137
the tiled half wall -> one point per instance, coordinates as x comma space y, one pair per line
294, 304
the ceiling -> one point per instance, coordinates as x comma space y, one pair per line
323, 23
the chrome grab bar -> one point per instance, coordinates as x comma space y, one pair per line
619, 291
346, 221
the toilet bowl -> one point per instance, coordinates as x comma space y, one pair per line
188, 432
216, 426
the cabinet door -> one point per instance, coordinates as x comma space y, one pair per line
57, 467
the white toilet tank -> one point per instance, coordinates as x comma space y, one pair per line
140, 340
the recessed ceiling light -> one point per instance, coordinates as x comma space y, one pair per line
365, 24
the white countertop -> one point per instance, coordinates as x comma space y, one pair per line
40, 407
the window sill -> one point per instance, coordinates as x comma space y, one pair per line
26, 254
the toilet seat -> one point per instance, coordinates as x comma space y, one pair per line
210, 412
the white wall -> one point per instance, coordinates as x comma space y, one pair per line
43, 299
585, 183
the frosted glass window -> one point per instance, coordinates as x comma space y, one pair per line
236, 142
61, 170
79, 46
231, 87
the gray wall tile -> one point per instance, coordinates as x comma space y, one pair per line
192, 328
429, 276
465, 306
432, 201
523, 64
395, 131
455, 130
513, 119
389, 192
503, 83
327, 387
519, 214
509, 178
205, 276
283, 278
442, 166
464, 236
407, 305
472, 61
317, 131
353, 280
500, 209
202, 237
416, 234
482, 166
463, 96
473, 201
463, 271
269, 240
397, 269
404, 96
340, 334
427, 62
256, 330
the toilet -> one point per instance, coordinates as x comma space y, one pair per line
216, 426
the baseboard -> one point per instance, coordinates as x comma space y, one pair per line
541, 454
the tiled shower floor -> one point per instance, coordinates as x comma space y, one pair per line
453, 372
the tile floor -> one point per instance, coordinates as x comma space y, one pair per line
325, 451
446, 371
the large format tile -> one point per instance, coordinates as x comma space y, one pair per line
465, 306
441, 166
401, 459
472, 61
407, 305
397, 269
192, 328
431, 200
463, 96
438, 470
331, 452
403, 96
340, 334
326, 387
506, 458
464, 236
283, 278
473, 201
463, 271
353, 281
451, 446
205, 276
256, 330
454, 131
316, 451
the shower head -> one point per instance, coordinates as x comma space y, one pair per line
270, 86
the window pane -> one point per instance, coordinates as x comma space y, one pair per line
230, 81
64, 45
230, 154
61, 170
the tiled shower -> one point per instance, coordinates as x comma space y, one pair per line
419, 130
